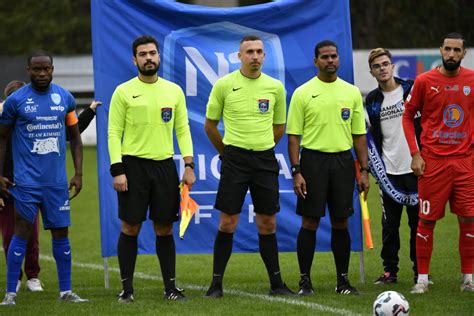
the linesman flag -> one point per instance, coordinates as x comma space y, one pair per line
365, 213
188, 208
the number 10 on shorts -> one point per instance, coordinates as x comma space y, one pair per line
424, 206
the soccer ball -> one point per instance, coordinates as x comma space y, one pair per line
391, 303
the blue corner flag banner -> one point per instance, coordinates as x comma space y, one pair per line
198, 45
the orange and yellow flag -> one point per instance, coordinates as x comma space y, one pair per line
365, 213
188, 208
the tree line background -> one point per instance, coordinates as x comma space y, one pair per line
64, 26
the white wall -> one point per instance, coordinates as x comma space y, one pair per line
405, 60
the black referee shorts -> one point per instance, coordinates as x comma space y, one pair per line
330, 179
242, 170
151, 184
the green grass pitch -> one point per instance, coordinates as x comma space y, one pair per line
245, 285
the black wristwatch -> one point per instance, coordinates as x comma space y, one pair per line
295, 169
364, 169
189, 164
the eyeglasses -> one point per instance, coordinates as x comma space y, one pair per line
385, 64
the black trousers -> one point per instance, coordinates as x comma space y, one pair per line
392, 213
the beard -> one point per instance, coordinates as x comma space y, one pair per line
450, 65
149, 72
331, 70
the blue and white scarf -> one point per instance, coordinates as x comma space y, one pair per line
377, 168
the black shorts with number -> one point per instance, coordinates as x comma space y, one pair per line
151, 184
242, 170
330, 179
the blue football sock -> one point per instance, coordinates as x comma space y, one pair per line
16, 253
62, 255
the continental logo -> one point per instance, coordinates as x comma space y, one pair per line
39, 127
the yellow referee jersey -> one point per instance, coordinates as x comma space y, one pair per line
145, 114
249, 108
326, 114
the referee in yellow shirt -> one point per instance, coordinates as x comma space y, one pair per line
253, 108
144, 111
327, 114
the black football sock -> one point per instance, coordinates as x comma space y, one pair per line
305, 247
166, 251
341, 249
269, 252
127, 247
222, 252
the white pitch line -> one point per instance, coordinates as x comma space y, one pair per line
215, 192
141, 275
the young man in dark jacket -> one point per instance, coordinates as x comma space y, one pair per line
390, 159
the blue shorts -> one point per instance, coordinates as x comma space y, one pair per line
52, 201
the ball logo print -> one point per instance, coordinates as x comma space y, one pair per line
453, 115
46, 146
391, 303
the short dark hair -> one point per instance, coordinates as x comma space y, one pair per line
323, 44
142, 40
247, 38
12, 86
39, 53
454, 35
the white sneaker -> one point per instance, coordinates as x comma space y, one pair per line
9, 299
467, 287
18, 286
34, 285
419, 288
72, 298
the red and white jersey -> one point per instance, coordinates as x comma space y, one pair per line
446, 105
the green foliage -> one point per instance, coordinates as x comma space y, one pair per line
246, 282
64, 26
61, 26
408, 23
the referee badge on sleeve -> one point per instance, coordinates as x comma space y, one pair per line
166, 114
345, 113
263, 105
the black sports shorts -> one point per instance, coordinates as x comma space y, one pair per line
151, 184
330, 179
242, 170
